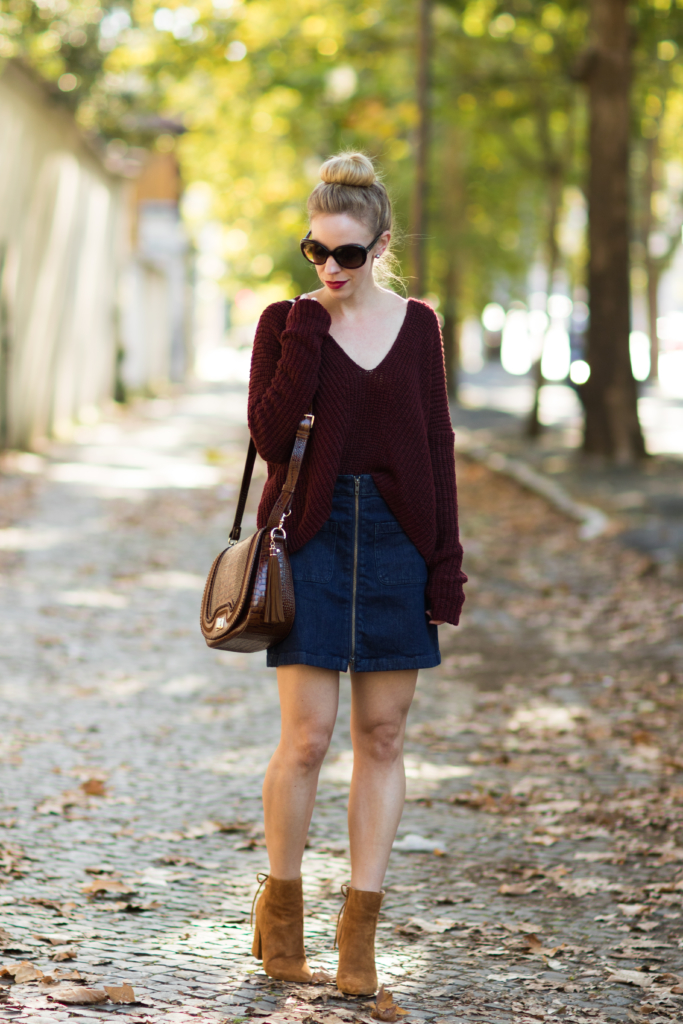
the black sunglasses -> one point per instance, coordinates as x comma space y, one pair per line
350, 257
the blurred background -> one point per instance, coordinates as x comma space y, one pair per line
155, 160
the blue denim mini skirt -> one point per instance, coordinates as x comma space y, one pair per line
359, 587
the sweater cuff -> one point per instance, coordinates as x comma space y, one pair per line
308, 316
446, 598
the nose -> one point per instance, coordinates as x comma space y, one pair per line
332, 267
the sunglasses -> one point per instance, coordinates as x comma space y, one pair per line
350, 257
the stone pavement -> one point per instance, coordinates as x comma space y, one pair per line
539, 869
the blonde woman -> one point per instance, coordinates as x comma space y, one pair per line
375, 551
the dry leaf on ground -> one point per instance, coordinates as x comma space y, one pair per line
536, 947
517, 889
65, 909
61, 802
120, 993
99, 885
5, 938
21, 972
385, 1008
65, 953
94, 787
80, 995
638, 978
60, 975
10, 859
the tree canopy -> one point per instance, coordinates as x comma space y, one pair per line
265, 91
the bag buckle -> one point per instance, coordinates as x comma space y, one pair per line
277, 533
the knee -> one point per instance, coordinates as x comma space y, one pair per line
382, 743
307, 750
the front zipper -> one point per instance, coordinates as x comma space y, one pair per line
356, 480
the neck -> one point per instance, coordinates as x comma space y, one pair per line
361, 300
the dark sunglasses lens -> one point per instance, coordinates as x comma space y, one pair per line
350, 256
314, 253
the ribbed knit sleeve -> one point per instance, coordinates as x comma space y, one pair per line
445, 593
284, 374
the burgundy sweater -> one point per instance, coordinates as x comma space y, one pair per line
406, 436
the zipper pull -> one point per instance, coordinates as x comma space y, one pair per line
357, 483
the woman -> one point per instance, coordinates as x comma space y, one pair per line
373, 538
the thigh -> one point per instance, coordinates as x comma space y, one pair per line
309, 698
381, 698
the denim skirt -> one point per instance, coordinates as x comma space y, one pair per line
359, 587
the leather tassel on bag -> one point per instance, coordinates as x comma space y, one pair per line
274, 611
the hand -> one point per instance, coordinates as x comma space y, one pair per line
435, 622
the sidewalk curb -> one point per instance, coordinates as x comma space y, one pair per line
594, 522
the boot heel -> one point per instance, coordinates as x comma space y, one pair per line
256, 948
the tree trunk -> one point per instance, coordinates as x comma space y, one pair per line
418, 232
651, 267
451, 325
612, 430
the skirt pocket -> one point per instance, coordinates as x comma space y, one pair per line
397, 560
314, 562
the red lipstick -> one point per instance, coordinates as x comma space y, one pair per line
335, 284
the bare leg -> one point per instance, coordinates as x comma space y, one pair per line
380, 705
309, 698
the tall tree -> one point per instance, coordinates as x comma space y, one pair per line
612, 430
418, 224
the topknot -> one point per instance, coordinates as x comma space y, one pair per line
348, 169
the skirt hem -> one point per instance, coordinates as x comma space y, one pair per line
399, 664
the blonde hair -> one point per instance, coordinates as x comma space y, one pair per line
349, 184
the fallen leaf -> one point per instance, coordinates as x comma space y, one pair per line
10, 859
436, 927
54, 940
417, 844
62, 802
321, 978
106, 885
65, 909
632, 909
5, 938
541, 840
65, 953
517, 889
536, 947
21, 972
94, 787
584, 886
385, 1008
638, 978
120, 993
80, 994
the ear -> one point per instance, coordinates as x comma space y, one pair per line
383, 242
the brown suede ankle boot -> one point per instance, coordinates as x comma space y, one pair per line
356, 974
279, 931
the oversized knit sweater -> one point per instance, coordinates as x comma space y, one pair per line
403, 431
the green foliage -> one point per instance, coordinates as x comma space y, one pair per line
266, 91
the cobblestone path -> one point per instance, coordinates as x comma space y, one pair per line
539, 870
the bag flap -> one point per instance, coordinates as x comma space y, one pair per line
229, 590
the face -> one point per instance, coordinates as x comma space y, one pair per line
334, 229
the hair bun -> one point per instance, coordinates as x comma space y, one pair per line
348, 169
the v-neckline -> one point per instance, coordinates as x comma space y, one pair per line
371, 369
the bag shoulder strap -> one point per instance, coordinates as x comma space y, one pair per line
283, 503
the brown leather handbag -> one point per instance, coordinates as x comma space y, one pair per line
248, 602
